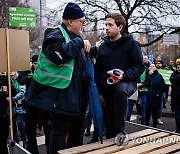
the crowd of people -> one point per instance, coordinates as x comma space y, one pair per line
153, 90
54, 94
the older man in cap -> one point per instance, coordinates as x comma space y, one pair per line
58, 81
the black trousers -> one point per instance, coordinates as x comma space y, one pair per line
116, 106
67, 131
4, 132
31, 122
152, 110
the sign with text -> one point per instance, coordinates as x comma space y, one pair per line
22, 17
170, 39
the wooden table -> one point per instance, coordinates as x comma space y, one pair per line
151, 141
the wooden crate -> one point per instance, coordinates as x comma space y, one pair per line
144, 141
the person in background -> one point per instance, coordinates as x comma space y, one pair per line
17, 93
4, 117
143, 90
170, 67
143, 83
157, 58
146, 61
58, 84
155, 89
34, 117
130, 109
166, 76
159, 66
175, 96
118, 51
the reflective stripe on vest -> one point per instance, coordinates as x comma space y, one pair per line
50, 74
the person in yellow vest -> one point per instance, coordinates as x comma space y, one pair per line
58, 83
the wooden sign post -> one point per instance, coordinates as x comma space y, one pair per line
15, 56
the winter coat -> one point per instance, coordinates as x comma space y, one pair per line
155, 89
68, 101
175, 92
124, 54
3, 101
17, 93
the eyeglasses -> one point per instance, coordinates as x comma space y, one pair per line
82, 21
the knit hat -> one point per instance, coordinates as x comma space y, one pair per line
72, 11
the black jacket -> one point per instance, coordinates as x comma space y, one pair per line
124, 54
70, 100
155, 89
175, 93
4, 103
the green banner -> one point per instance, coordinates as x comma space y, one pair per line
22, 17
166, 74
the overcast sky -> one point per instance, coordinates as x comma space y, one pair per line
56, 3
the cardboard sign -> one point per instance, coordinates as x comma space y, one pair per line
3, 53
19, 52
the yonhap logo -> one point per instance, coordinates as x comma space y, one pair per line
122, 139
155, 140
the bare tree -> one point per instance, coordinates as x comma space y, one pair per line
4, 5
158, 16
4, 19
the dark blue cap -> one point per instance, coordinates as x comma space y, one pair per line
72, 11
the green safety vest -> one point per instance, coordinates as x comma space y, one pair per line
50, 74
166, 74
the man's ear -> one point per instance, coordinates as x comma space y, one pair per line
70, 22
120, 28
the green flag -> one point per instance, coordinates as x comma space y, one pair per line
166, 74
22, 17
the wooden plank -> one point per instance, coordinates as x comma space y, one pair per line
168, 149
171, 140
132, 143
107, 143
148, 147
87, 147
